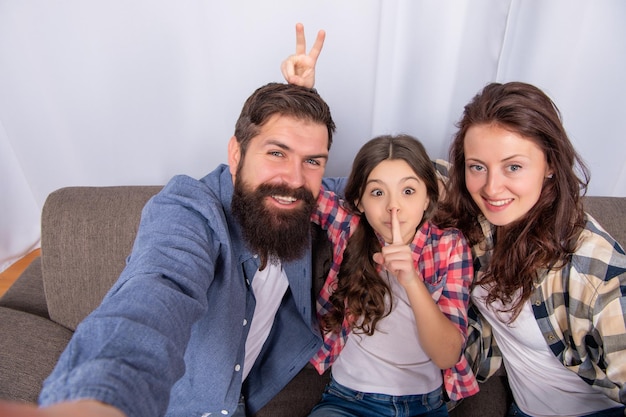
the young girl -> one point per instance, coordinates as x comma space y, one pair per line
398, 295
550, 282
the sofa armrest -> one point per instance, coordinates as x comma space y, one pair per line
86, 235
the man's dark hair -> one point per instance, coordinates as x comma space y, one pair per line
283, 99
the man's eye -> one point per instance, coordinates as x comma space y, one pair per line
276, 153
313, 162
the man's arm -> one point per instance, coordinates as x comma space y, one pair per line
82, 408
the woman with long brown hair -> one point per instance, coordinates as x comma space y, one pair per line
549, 288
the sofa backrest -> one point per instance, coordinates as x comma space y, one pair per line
611, 213
86, 235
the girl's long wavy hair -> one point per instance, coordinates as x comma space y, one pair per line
360, 291
547, 235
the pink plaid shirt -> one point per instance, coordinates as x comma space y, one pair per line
437, 253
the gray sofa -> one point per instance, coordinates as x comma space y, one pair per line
87, 232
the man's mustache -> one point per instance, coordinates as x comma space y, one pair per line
300, 193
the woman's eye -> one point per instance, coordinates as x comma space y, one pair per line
477, 168
409, 191
514, 168
376, 193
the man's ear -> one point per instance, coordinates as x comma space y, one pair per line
234, 155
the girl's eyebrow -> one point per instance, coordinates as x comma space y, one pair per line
405, 179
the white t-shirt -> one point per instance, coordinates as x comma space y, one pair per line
391, 361
541, 385
269, 286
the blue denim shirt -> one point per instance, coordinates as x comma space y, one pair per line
169, 337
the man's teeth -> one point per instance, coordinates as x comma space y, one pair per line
499, 203
284, 199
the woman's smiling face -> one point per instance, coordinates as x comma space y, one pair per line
504, 172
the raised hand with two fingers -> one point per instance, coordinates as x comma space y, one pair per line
299, 68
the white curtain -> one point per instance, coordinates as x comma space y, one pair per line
132, 92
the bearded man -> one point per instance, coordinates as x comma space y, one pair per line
217, 289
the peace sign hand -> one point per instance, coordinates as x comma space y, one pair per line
299, 69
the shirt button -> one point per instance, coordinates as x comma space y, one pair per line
537, 303
237, 367
245, 322
256, 256
224, 412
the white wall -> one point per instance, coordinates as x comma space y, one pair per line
135, 91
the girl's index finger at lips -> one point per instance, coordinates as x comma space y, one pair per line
396, 235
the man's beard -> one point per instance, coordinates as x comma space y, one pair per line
274, 233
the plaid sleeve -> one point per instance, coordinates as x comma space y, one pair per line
455, 264
339, 224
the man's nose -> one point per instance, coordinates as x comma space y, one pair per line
293, 175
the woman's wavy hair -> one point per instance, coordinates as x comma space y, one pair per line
547, 235
360, 292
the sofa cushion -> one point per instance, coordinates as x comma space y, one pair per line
299, 396
26, 293
87, 233
29, 348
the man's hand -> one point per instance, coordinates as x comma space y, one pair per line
81, 408
299, 69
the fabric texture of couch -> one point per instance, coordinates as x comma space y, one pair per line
87, 233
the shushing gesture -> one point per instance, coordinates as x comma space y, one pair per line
299, 69
397, 257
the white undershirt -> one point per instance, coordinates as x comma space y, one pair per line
391, 361
268, 286
541, 385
